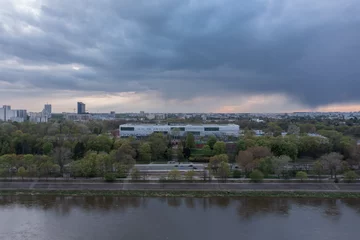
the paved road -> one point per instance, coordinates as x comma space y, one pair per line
169, 167
321, 187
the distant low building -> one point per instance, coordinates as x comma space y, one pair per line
127, 130
38, 117
14, 115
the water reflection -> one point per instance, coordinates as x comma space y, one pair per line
246, 208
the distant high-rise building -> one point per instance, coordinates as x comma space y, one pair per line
47, 109
80, 108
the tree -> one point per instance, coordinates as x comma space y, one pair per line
104, 164
79, 150
301, 175
62, 156
158, 146
101, 143
307, 128
135, 174
318, 168
274, 128
127, 149
180, 152
266, 166
224, 171
190, 140
145, 152
215, 161
121, 158
284, 147
355, 155
259, 152
256, 176
47, 148
313, 146
121, 170
332, 162
236, 174
89, 165
219, 147
211, 141
21, 172
293, 129
187, 152
241, 145
280, 164
245, 160
174, 175
189, 175
350, 176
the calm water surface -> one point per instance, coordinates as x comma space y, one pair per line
65, 218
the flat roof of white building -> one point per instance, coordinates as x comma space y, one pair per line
176, 125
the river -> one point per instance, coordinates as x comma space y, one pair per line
90, 218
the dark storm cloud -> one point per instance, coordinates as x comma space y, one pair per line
305, 49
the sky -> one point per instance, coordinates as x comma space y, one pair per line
180, 55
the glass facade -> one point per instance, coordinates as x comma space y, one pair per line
127, 129
211, 129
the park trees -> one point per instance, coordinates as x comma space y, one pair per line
256, 176
224, 170
145, 152
301, 175
245, 160
101, 143
190, 140
158, 146
62, 156
332, 162
293, 130
211, 141
189, 175
79, 150
174, 175
207, 150
215, 161
47, 148
318, 168
21, 172
350, 176
281, 146
279, 165
219, 148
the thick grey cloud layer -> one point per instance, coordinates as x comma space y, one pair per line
306, 49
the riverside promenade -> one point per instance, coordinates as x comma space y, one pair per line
173, 186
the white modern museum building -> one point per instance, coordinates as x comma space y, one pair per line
127, 130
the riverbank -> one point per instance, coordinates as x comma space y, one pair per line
184, 189
197, 194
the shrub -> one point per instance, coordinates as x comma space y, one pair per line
189, 175
109, 177
21, 172
121, 172
135, 174
174, 175
162, 179
256, 176
236, 174
350, 176
301, 175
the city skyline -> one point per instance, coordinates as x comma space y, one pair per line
181, 56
